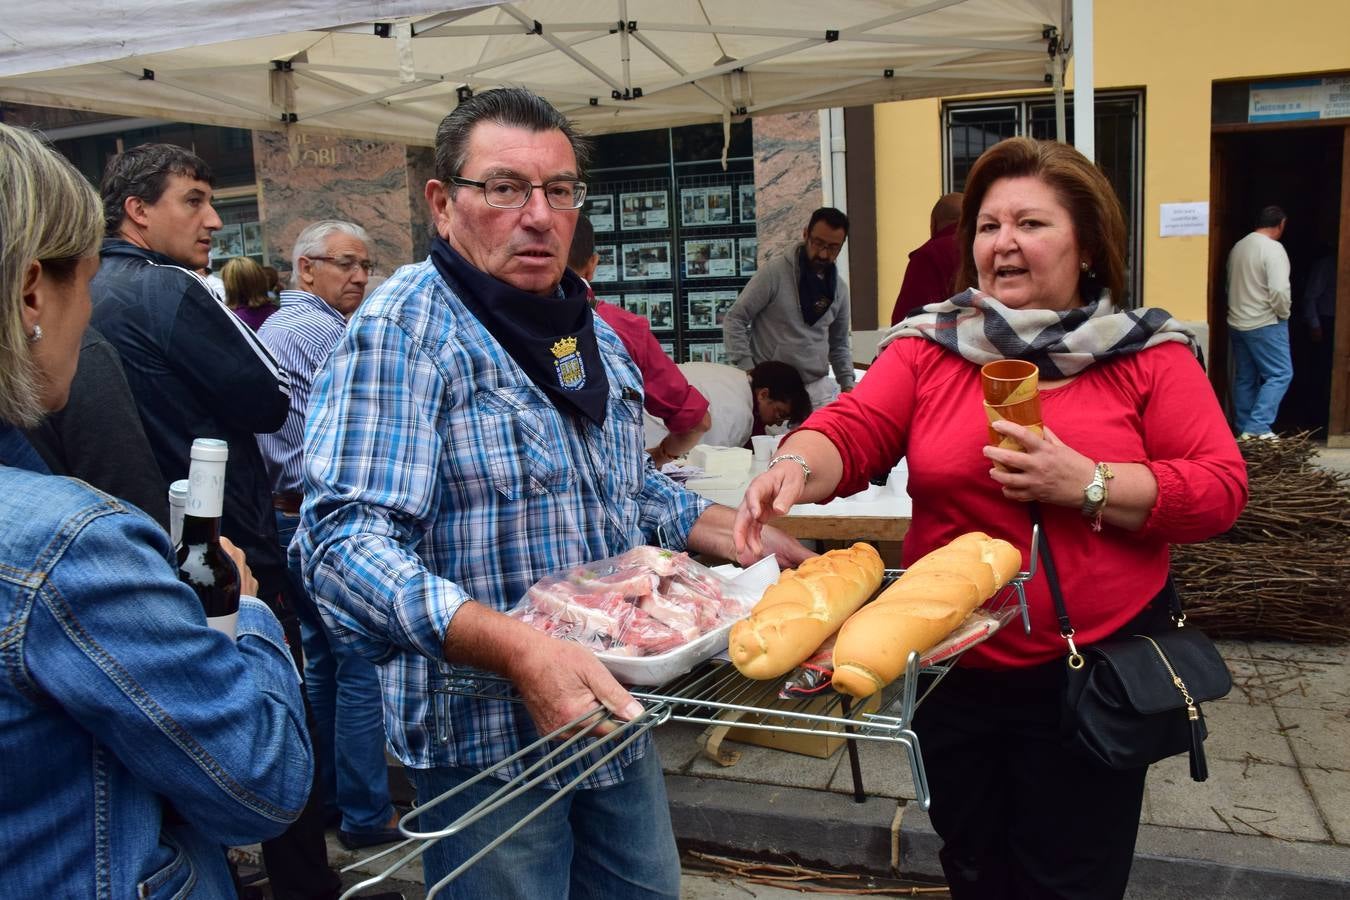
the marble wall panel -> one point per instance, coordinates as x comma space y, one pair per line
304, 178
421, 169
787, 179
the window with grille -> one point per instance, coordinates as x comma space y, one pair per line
971, 127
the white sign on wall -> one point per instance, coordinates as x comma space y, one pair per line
1306, 98
1182, 219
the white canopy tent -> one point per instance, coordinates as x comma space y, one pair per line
391, 69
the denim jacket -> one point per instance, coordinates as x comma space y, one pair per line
135, 742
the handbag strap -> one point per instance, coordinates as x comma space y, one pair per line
1066, 629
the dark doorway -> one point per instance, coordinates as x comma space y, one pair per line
1298, 168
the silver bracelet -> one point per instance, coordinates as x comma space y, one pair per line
792, 457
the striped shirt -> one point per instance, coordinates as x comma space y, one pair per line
300, 335
436, 472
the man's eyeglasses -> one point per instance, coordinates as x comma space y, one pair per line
346, 263
513, 193
817, 246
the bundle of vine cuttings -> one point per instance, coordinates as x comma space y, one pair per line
1281, 572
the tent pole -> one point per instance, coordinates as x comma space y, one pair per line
1084, 117
1057, 78
834, 170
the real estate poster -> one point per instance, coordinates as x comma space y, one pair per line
600, 210
644, 209
705, 205
748, 251
646, 262
606, 269
747, 192
709, 258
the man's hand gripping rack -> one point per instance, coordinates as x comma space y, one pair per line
711, 692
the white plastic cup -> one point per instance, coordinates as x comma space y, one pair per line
765, 445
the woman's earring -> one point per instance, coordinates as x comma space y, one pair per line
1083, 266
36, 335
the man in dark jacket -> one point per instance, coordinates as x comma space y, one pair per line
193, 367
196, 370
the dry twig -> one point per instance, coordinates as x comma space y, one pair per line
1281, 571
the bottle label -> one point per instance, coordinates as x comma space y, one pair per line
226, 625
206, 489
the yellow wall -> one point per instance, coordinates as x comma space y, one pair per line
1174, 51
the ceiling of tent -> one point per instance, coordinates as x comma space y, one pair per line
391, 70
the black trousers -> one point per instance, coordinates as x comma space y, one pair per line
1022, 816
297, 860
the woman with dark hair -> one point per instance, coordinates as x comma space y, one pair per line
1135, 455
246, 291
136, 742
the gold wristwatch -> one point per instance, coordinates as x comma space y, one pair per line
1095, 494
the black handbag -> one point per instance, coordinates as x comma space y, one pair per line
1132, 701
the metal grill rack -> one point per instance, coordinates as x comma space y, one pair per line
709, 695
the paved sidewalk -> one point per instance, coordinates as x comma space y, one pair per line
1272, 821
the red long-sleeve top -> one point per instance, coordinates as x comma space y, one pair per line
1155, 407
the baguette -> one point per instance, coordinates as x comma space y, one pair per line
923, 606
799, 612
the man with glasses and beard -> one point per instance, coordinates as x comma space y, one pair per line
475, 429
796, 309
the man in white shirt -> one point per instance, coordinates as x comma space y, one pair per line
1258, 322
741, 403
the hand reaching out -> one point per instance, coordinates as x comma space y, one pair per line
770, 495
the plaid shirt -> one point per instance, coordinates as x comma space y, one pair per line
436, 472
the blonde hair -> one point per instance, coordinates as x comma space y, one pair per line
245, 283
48, 213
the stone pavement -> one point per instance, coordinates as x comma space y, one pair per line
1273, 820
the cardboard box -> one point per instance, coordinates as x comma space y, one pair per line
821, 746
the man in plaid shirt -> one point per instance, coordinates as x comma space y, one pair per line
476, 429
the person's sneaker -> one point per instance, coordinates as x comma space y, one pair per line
1268, 436
1246, 436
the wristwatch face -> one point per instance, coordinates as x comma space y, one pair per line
1095, 493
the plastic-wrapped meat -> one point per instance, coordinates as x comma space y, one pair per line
650, 637
579, 616
682, 617
628, 582
705, 610
660, 562
641, 603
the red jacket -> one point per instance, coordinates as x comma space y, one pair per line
931, 274
666, 393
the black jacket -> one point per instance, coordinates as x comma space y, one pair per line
98, 436
196, 370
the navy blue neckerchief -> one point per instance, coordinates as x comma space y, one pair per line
815, 293
15, 451
551, 338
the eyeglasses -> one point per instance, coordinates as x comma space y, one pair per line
513, 193
817, 245
346, 263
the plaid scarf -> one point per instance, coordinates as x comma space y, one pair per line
981, 329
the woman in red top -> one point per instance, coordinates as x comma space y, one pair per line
1042, 235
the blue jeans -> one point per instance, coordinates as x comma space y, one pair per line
613, 843
344, 693
1262, 371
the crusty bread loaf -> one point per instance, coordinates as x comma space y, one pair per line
923, 606
801, 610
